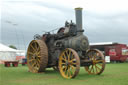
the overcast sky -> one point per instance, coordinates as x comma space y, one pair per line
103, 20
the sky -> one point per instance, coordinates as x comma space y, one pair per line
103, 20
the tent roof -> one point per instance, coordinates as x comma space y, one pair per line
104, 43
5, 48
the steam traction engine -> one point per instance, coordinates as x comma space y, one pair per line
65, 51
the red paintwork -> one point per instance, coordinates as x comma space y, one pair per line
15, 64
115, 52
8, 63
20, 57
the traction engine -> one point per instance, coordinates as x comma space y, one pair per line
66, 51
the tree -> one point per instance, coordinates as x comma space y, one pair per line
12, 46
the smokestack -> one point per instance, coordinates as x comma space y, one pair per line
78, 13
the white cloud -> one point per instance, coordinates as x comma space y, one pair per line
104, 20
96, 6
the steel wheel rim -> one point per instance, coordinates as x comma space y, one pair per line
69, 63
34, 56
98, 62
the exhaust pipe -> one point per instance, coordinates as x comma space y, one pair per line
78, 13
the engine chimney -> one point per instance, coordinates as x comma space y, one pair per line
78, 13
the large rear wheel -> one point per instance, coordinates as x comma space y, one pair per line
98, 62
69, 63
37, 56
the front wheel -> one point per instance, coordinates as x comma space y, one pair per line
69, 63
98, 62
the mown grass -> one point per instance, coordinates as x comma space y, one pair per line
114, 74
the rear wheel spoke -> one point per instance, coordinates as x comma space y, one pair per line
33, 48
31, 60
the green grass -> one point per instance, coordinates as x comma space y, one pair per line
114, 74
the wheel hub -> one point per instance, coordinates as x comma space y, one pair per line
34, 55
94, 62
66, 63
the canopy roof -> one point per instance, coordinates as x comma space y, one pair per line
6, 48
104, 43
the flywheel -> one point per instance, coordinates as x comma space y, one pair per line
37, 56
98, 62
69, 63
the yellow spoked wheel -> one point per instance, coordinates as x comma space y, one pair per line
37, 56
69, 63
98, 62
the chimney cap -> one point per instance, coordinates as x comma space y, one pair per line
78, 8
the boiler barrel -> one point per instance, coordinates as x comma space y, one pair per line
77, 43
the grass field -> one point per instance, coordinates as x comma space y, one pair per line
114, 74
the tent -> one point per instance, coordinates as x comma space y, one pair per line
6, 53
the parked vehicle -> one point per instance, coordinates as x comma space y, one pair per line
66, 51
